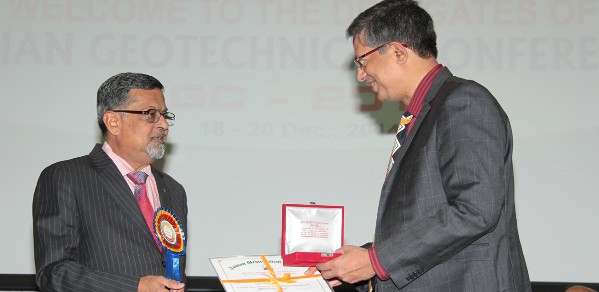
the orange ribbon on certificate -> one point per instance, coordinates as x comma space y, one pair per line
272, 279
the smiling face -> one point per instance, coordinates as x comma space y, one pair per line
382, 70
131, 136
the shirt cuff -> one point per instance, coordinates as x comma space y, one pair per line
376, 265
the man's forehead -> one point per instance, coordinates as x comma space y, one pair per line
146, 96
360, 47
360, 40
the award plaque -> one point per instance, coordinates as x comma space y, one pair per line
311, 233
172, 238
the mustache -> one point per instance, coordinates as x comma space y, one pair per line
160, 135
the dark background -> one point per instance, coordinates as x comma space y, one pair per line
25, 282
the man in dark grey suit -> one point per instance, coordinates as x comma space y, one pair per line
91, 221
446, 219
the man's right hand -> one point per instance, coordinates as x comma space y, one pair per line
159, 283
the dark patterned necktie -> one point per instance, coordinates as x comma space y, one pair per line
141, 196
399, 138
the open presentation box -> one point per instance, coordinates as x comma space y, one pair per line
311, 233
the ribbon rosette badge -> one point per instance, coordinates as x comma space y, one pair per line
172, 238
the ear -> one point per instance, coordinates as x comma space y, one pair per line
400, 51
113, 122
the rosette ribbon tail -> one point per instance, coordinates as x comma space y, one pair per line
172, 267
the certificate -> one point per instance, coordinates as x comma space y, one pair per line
265, 273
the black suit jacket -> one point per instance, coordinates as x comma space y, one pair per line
446, 218
89, 233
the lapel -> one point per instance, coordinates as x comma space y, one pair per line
115, 185
167, 201
163, 190
439, 80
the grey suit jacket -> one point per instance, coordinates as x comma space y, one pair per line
446, 218
89, 234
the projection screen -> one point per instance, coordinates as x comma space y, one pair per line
269, 112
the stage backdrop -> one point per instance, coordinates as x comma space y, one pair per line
269, 112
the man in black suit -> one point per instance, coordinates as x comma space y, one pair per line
446, 219
91, 221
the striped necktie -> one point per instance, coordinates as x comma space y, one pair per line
141, 196
399, 138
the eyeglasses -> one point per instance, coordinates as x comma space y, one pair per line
359, 61
152, 115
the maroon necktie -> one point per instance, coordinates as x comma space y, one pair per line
141, 196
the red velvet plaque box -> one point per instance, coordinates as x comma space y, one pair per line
311, 233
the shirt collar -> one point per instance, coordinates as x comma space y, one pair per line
422, 89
